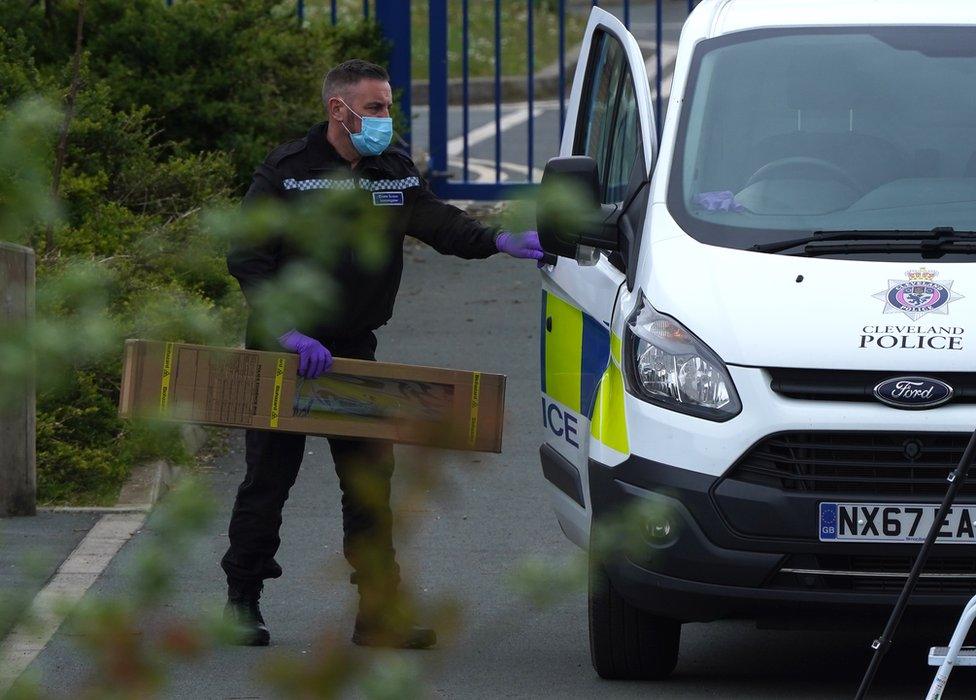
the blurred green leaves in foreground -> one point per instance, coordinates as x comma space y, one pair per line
88, 302
135, 641
127, 660
107, 172
131, 243
87, 305
164, 285
26, 142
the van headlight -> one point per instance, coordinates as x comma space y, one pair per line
668, 366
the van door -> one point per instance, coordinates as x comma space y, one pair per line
609, 118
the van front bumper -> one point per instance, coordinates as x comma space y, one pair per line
707, 569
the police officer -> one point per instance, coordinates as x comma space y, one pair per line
351, 150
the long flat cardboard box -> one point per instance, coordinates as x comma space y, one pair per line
241, 388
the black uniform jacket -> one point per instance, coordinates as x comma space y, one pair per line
309, 165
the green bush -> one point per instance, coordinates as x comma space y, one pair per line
237, 76
175, 107
84, 450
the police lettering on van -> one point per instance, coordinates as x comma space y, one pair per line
912, 337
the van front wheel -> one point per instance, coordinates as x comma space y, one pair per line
627, 643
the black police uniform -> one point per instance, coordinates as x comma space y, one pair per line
366, 297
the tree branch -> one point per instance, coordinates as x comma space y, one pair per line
69, 113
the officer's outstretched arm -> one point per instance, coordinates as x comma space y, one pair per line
449, 230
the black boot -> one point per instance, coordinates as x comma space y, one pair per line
384, 618
396, 635
243, 611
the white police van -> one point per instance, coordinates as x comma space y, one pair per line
768, 335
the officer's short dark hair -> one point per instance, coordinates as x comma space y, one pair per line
349, 73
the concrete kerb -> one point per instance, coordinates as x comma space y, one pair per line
148, 482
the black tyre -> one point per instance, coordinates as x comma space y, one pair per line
627, 643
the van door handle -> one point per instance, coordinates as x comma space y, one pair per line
549, 324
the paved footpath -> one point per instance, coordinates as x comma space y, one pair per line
465, 542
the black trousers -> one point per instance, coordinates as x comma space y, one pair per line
364, 468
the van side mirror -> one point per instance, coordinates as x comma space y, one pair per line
570, 214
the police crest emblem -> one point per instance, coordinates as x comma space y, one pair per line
920, 294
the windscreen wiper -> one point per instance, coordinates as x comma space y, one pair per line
928, 249
934, 245
937, 236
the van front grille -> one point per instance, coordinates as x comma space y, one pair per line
854, 385
863, 464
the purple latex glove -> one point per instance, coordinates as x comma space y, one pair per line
718, 201
520, 245
313, 357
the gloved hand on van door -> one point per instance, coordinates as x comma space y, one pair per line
718, 201
314, 358
520, 245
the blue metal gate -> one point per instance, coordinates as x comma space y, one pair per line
453, 170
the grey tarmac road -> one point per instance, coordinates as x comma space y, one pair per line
32, 549
464, 543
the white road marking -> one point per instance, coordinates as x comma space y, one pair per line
523, 170
455, 146
68, 585
479, 170
482, 170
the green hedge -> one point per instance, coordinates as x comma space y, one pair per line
237, 76
176, 107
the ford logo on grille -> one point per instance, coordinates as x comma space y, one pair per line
913, 392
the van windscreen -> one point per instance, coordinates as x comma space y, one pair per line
787, 132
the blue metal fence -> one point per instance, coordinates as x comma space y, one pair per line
448, 183
458, 179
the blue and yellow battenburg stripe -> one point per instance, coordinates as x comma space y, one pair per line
577, 372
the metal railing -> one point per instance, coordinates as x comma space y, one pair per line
454, 178
443, 179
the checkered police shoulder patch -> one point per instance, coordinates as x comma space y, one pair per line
378, 185
319, 184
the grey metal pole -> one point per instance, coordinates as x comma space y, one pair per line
18, 478
881, 645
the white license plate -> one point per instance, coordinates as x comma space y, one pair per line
888, 522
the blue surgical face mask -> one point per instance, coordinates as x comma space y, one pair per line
374, 135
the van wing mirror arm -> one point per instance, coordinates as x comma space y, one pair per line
605, 232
